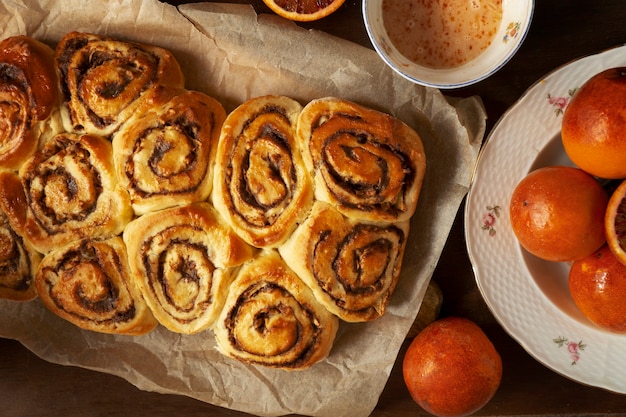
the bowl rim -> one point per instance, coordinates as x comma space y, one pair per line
382, 53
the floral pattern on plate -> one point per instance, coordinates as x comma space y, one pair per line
573, 348
489, 219
559, 103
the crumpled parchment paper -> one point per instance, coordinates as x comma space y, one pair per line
229, 52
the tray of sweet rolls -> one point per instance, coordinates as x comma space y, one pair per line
262, 236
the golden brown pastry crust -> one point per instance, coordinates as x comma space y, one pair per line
261, 185
352, 267
28, 96
89, 284
165, 157
18, 263
272, 318
368, 164
67, 191
183, 258
104, 81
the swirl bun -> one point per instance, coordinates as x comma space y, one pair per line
261, 185
352, 267
18, 263
66, 191
165, 157
89, 284
368, 164
105, 81
28, 97
271, 318
183, 259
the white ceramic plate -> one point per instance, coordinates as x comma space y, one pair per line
530, 297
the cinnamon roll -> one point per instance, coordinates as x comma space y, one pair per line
166, 157
183, 258
261, 185
18, 263
66, 191
104, 81
89, 284
368, 164
28, 96
352, 267
271, 318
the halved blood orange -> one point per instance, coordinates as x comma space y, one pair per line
303, 10
615, 222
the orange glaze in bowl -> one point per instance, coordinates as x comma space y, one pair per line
441, 33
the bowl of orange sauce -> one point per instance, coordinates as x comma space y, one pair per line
447, 43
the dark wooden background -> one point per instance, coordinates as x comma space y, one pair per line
561, 31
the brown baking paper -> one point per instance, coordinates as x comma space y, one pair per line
229, 52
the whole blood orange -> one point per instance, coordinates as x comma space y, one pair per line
557, 213
593, 129
597, 284
451, 368
303, 10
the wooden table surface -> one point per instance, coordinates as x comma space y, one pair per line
561, 32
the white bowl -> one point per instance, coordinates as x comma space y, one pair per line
516, 18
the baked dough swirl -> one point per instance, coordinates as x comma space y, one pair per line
368, 164
261, 185
28, 96
352, 267
105, 81
183, 258
18, 263
271, 318
89, 284
66, 191
166, 156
